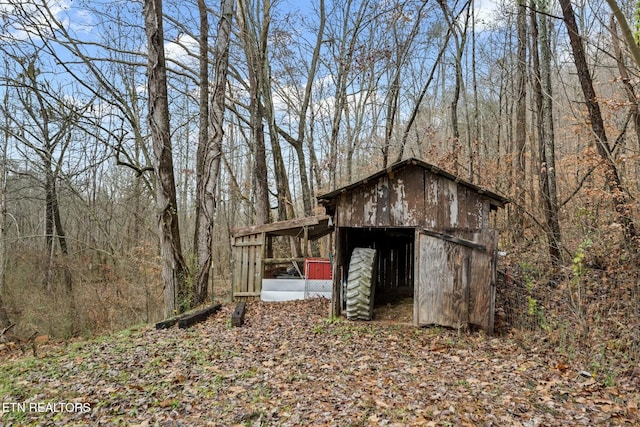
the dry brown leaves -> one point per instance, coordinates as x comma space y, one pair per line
290, 365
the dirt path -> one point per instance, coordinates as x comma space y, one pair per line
290, 365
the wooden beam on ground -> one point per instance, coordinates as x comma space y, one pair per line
167, 323
188, 319
198, 316
237, 318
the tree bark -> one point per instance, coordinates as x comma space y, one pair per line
174, 269
298, 142
619, 197
260, 183
634, 108
627, 33
519, 167
210, 145
546, 135
460, 38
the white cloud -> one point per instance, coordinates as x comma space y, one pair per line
184, 50
485, 13
27, 19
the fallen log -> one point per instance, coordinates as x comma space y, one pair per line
237, 318
198, 316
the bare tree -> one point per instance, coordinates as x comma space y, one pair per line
344, 44
174, 268
460, 34
301, 107
397, 61
253, 33
612, 178
45, 129
519, 163
627, 33
210, 146
543, 94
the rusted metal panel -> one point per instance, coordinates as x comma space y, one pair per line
453, 201
357, 206
413, 190
463, 199
493, 198
477, 211
383, 202
447, 203
432, 200
413, 197
343, 214
406, 197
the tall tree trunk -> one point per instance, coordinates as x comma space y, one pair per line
298, 142
285, 200
62, 239
634, 108
49, 224
619, 197
392, 110
402, 53
350, 31
460, 38
519, 167
421, 96
174, 269
252, 50
546, 134
474, 136
210, 145
627, 33
3, 208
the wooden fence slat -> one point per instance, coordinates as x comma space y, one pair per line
251, 265
244, 282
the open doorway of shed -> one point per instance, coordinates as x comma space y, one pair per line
393, 297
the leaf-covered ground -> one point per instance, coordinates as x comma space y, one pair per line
291, 365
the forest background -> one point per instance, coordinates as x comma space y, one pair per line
118, 191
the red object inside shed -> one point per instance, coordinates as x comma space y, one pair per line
317, 268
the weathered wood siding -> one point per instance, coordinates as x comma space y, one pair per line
443, 283
415, 197
248, 265
455, 283
482, 286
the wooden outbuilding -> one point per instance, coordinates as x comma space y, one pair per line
254, 255
433, 237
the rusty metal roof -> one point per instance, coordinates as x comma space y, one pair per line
498, 199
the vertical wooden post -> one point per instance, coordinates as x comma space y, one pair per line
305, 241
260, 262
336, 301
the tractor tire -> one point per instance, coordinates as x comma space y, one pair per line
360, 284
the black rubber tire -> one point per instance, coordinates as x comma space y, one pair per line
360, 286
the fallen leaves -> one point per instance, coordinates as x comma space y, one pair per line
289, 365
